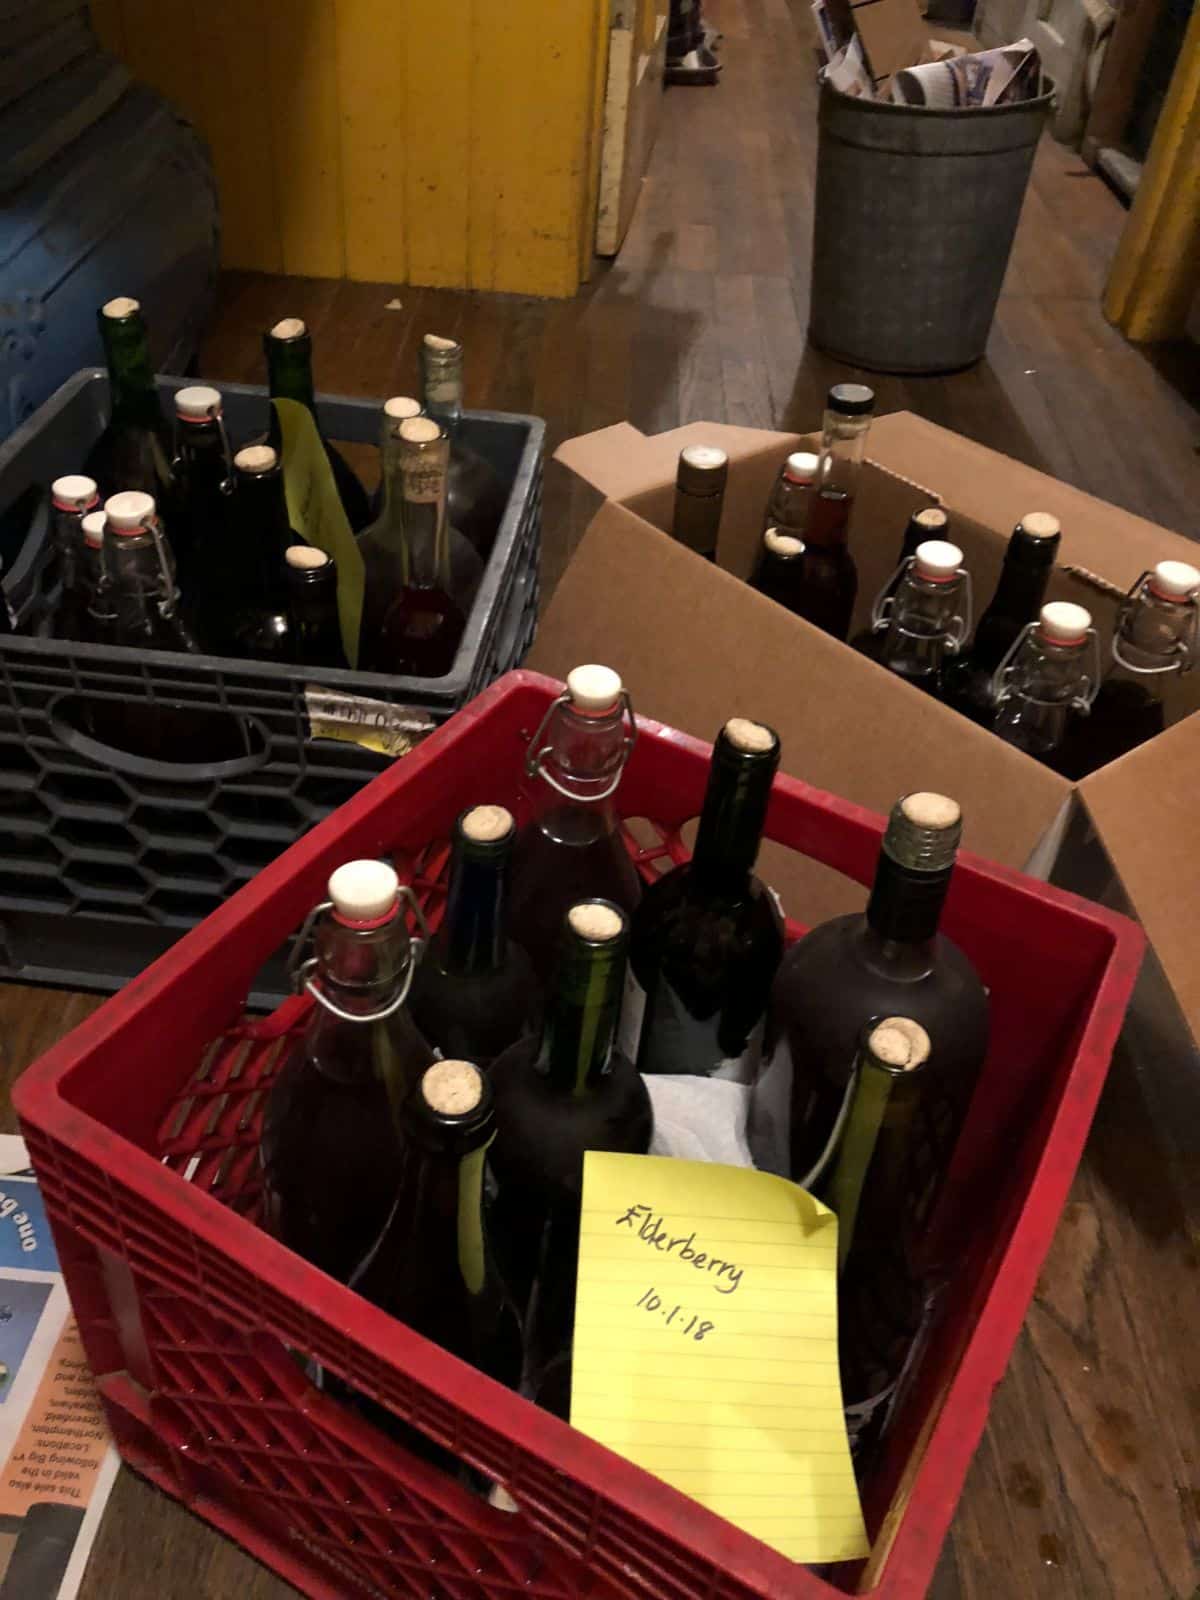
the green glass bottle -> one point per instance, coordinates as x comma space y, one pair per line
288, 347
135, 449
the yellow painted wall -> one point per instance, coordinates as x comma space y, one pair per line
444, 142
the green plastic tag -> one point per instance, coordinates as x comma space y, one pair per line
316, 514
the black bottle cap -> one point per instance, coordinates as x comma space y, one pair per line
851, 400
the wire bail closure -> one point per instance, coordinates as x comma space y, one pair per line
301, 970
1002, 679
537, 752
958, 626
1183, 650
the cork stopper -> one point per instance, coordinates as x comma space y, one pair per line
420, 430
783, 544
364, 891
452, 1088
703, 469
801, 466
130, 511
198, 403
933, 518
75, 492
256, 458
120, 308
1061, 622
305, 557
928, 810
704, 457
93, 529
595, 921
593, 688
436, 342
1175, 580
752, 737
923, 831
1040, 525
486, 824
289, 328
938, 560
401, 406
899, 1042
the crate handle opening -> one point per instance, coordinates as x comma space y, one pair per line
133, 736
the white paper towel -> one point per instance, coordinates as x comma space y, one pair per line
699, 1119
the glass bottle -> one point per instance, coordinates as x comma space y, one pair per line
314, 631
1046, 684
700, 482
203, 477
288, 348
570, 847
707, 937
557, 1096
74, 618
1020, 591
475, 992
477, 497
931, 522
791, 494
137, 599
1154, 643
330, 1148
830, 575
415, 601
890, 960
399, 408
134, 451
248, 595
71, 499
920, 625
779, 571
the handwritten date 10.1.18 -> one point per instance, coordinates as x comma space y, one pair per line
676, 1316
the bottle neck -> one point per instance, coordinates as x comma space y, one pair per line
1019, 594
905, 908
389, 528
731, 823
582, 1011
442, 387
424, 526
439, 1199
313, 592
922, 623
843, 446
1154, 638
201, 444
289, 370
264, 512
130, 370
585, 755
472, 936
362, 969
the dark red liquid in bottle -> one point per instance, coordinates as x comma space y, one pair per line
419, 634
830, 585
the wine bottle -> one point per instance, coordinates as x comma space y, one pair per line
700, 498
288, 348
247, 592
475, 992
931, 522
203, 476
558, 1096
571, 848
71, 499
779, 571
399, 408
137, 599
134, 451
830, 575
75, 618
1047, 683
791, 494
1155, 640
314, 631
889, 961
921, 625
1020, 591
477, 497
707, 937
330, 1147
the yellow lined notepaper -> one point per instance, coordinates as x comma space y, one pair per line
706, 1345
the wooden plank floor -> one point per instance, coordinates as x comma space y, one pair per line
1087, 1483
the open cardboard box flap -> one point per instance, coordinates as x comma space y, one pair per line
696, 647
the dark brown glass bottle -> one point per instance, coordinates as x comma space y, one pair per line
288, 348
830, 575
570, 848
779, 570
475, 992
892, 961
203, 477
476, 494
330, 1148
314, 631
699, 498
253, 602
931, 522
558, 1096
135, 449
707, 937
921, 623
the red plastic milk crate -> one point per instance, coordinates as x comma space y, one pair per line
144, 1134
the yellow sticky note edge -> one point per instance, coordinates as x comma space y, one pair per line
706, 1345
316, 514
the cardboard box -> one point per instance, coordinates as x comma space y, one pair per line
696, 646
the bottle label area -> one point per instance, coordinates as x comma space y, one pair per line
633, 1012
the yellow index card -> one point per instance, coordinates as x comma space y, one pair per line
706, 1345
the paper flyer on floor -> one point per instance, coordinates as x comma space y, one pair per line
58, 1463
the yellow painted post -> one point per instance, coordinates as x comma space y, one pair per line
1156, 274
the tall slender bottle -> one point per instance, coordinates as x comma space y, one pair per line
288, 348
558, 1096
570, 848
931, 522
475, 992
74, 618
330, 1148
477, 497
1044, 687
919, 627
252, 601
203, 475
314, 632
791, 494
700, 498
71, 498
779, 571
892, 960
830, 575
1154, 642
395, 410
138, 595
1020, 591
707, 937
134, 451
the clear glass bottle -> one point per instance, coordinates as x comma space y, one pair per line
570, 848
288, 349
558, 1095
477, 496
830, 575
135, 449
71, 499
1020, 591
779, 571
137, 599
203, 475
1046, 683
707, 937
791, 494
395, 410
330, 1147
920, 624
475, 992
889, 961
700, 482
314, 630
74, 618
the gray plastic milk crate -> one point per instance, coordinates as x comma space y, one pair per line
107, 855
